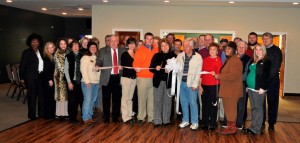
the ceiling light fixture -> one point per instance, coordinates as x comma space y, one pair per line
44, 9
231, 2
64, 13
295, 3
105, 0
9, 1
81, 9
166, 1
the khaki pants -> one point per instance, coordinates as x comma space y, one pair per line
145, 98
128, 86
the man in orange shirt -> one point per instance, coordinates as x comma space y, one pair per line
142, 59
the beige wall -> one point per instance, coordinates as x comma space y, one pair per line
240, 19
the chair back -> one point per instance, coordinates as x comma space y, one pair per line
15, 73
9, 72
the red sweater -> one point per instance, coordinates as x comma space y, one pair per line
211, 64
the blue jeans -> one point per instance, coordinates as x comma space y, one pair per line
188, 97
89, 98
98, 99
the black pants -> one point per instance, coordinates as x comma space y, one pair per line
135, 101
112, 90
242, 108
35, 92
209, 105
273, 101
49, 102
75, 98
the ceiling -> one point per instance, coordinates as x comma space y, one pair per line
57, 7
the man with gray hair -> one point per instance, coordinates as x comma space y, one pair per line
275, 56
191, 63
110, 78
242, 102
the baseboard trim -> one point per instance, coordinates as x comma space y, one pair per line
291, 94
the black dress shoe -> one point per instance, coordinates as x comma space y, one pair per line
130, 121
157, 125
167, 124
116, 120
106, 120
140, 122
212, 129
205, 128
271, 127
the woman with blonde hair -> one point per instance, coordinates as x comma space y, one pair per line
48, 84
257, 85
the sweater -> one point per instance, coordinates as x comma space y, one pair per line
142, 59
89, 75
211, 64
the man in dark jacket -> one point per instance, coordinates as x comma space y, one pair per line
275, 56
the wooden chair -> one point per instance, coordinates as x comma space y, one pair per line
11, 77
20, 86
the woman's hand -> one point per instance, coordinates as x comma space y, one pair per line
50, 83
194, 88
158, 68
88, 85
70, 86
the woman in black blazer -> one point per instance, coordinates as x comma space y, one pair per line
48, 83
31, 69
257, 85
162, 84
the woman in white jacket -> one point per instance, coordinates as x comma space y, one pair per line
89, 82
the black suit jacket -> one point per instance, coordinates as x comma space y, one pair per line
29, 65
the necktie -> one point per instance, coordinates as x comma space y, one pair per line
115, 62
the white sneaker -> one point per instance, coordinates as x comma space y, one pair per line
194, 126
183, 124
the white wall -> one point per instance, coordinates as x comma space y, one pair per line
243, 20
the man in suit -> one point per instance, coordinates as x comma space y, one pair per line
31, 69
110, 78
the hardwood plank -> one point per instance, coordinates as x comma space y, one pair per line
42, 130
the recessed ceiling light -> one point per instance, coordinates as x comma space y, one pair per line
231, 2
44, 8
64, 13
166, 1
81, 9
295, 3
105, 0
9, 1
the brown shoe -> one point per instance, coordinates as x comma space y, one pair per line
230, 129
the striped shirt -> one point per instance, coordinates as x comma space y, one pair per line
186, 65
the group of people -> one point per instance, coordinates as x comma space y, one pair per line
77, 73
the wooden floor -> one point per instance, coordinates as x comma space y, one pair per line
42, 130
